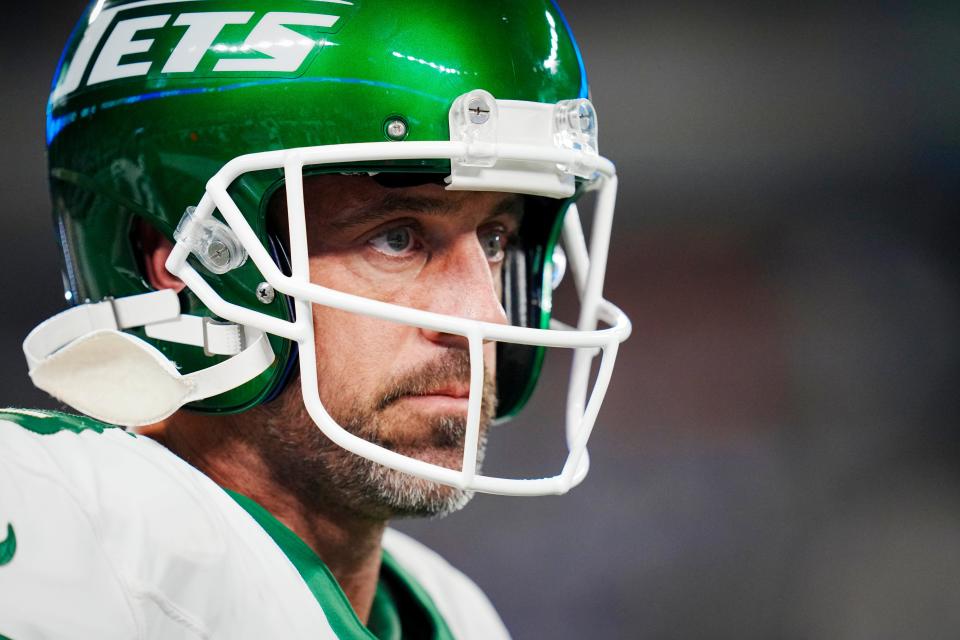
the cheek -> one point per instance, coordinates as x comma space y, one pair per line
342, 343
354, 355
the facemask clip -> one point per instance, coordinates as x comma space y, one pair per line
212, 242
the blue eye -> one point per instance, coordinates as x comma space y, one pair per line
396, 242
494, 243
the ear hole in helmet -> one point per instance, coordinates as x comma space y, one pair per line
151, 250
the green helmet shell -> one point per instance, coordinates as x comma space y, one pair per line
153, 97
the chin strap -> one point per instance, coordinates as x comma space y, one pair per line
83, 357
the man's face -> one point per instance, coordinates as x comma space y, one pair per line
403, 387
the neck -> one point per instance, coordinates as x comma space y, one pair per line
348, 543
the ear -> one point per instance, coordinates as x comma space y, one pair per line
156, 249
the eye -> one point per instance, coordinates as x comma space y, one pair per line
398, 242
494, 243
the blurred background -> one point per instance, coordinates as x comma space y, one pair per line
778, 454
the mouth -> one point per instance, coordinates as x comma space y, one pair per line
445, 399
455, 391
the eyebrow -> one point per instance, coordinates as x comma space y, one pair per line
393, 203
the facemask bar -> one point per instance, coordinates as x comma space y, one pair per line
589, 285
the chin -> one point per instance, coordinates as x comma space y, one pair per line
434, 434
447, 457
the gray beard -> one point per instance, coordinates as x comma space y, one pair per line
400, 494
323, 475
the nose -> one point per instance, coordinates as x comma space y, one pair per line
461, 283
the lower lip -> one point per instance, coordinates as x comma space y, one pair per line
446, 404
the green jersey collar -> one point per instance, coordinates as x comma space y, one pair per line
401, 607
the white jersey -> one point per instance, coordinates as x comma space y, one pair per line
107, 535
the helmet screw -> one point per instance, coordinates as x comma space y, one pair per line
396, 129
584, 121
218, 253
479, 111
585, 117
265, 293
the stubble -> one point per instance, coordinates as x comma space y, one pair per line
324, 475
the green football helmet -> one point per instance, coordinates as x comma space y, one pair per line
190, 117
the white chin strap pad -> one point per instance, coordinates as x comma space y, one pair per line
82, 357
114, 377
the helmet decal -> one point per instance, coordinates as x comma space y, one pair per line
163, 37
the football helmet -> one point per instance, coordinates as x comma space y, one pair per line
191, 116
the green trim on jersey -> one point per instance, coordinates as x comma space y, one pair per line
399, 590
399, 597
8, 546
47, 423
384, 619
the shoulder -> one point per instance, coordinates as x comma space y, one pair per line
45, 440
157, 548
102, 467
141, 500
60, 449
51, 540
93, 505
463, 605
21, 425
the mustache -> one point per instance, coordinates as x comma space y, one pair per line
452, 368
